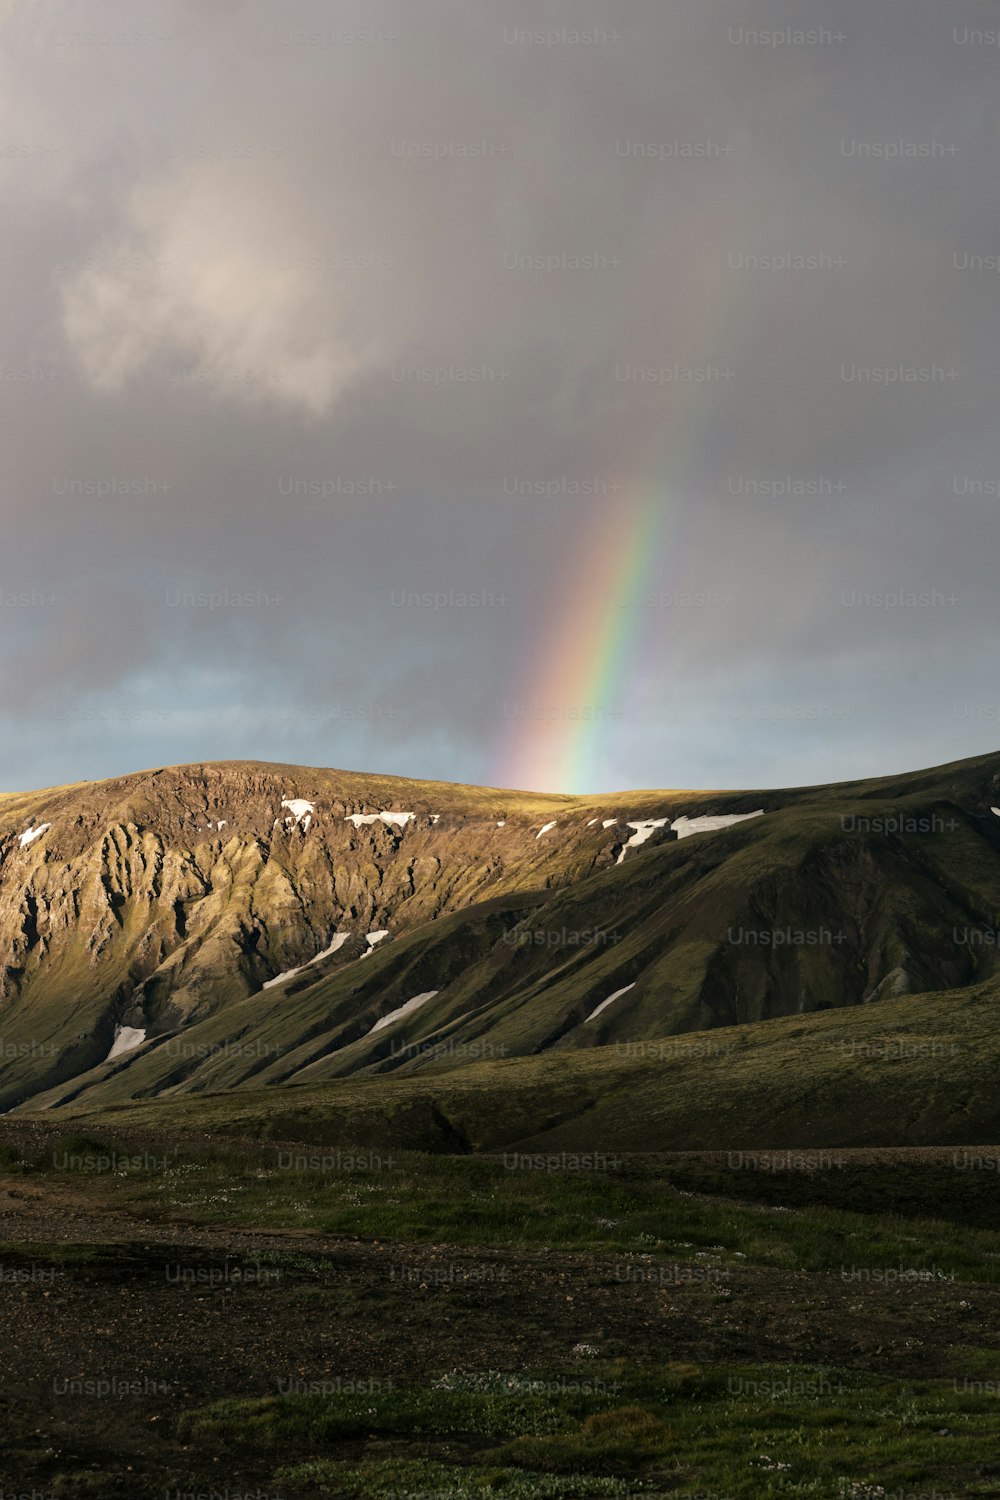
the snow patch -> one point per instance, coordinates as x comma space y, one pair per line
280, 978
684, 826
126, 1037
610, 823
503, 824
995, 811
643, 830
403, 1010
617, 994
339, 939
299, 811
298, 806
399, 818
373, 938
220, 825
591, 822
545, 828
435, 817
32, 834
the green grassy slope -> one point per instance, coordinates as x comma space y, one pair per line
871, 895
837, 898
916, 1071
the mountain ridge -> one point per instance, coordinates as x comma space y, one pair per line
231, 905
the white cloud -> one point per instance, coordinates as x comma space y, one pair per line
210, 282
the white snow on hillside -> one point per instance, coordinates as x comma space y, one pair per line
643, 830
373, 938
126, 1037
610, 823
299, 811
339, 939
684, 826
280, 978
399, 818
403, 1010
545, 828
604, 1003
32, 834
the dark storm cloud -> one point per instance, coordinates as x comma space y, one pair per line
239, 238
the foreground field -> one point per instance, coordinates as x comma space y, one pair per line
210, 1314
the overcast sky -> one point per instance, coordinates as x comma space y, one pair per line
342, 344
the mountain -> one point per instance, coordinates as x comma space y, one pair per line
241, 928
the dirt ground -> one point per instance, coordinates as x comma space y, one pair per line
135, 1303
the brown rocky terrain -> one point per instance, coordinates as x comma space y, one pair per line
149, 901
325, 923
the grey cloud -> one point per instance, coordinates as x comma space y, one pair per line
235, 258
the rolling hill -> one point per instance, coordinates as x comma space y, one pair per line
244, 931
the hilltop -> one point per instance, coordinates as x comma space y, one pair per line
237, 925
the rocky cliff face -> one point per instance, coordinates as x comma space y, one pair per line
151, 900
220, 925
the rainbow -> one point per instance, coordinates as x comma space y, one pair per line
557, 727
598, 644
